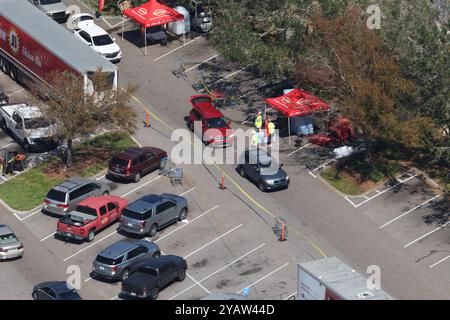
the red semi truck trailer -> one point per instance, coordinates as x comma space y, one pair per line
33, 46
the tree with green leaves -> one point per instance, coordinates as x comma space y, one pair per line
76, 112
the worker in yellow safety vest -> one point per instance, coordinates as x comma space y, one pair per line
271, 129
258, 121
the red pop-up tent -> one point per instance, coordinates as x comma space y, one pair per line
152, 14
296, 103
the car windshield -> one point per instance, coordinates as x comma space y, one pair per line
56, 195
86, 18
216, 122
69, 294
8, 239
47, 2
102, 40
119, 162
36, 123
109, 261
87, 210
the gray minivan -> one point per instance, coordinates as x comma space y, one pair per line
121, 259
55, 9
64, 197
152, 212
259, 167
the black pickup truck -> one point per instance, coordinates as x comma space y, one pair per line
152, 275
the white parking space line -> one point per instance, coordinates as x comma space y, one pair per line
171, 51
166, 235
88, 279
221, 269
384, 191
212, 241
409, 211
50, 235
228, 76
114, 298
266, 276
426, 235
248, 120
137, 142
323, 165
16, 92
101, 177
438, 262
141, 186
199, 64
33, 213
89, 246
186, 192
366, 197
377, 191
301, 148
93, 12
7, 145
253, 90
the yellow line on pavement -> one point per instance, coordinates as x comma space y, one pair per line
315, 246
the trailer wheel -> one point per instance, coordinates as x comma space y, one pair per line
13, 73
6, 67
3, 124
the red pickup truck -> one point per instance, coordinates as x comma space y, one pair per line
90, 216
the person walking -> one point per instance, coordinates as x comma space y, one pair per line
271, 131
258, 121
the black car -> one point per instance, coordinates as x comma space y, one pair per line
54, 290
153, 275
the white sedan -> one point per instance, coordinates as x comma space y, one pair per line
99, 40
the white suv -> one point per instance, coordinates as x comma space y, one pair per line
99, 40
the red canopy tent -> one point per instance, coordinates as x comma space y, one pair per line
152, 14
296, 103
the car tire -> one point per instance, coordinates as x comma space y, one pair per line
191, 126
162, 163
261, 186
34, 295
242, 172
154, 294
13, 72
156, 255
125, 274
183, 214
26, 146
153, 230
137, 177
91, 236
3, 124
181, 275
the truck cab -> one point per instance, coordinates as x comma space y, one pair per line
28, 125
91, 216
152, 275
55, 9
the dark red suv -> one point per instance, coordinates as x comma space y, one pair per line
135, 162
216, 128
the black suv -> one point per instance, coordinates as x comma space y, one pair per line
153, 275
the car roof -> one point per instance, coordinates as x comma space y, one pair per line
207, 109
57, 286
117, 249
157, 263
71, 184
27, 111
94, 30
4, 229
132, 152
145, 203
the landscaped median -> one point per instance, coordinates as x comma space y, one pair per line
27, 191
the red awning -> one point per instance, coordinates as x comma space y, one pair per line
297, 103
152, 14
